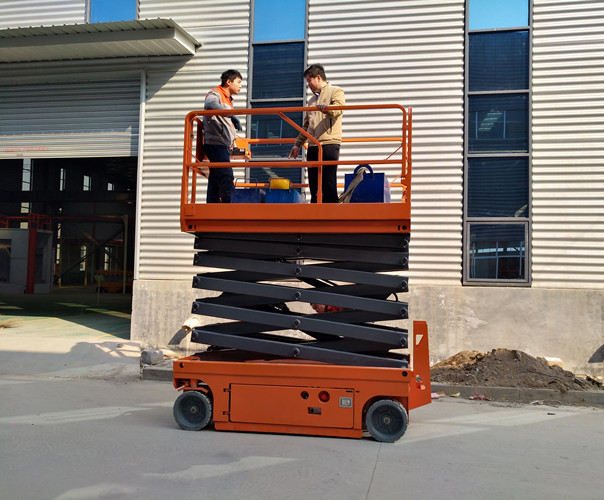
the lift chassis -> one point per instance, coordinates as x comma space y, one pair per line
271, 365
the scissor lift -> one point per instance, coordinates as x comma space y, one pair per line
341, 372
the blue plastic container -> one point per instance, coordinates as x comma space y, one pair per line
374, 188
283, 196
247, 195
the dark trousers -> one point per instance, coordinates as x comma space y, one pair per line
220, 181
330, 173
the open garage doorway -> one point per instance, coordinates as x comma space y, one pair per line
91, 206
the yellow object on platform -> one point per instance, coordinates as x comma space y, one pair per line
279, 183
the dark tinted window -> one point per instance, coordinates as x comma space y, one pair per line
498, 187
497, 251
498, 123
499, 61
273, 127
278, 70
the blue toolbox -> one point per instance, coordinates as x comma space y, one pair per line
247, 195
280, 191
374, 188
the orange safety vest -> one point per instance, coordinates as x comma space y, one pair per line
216, 126
224, 98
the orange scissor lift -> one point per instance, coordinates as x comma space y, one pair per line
353, 369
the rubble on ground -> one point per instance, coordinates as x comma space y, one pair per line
509, 368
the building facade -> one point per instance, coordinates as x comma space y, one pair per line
508, 156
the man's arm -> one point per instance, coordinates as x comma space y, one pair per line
213, 102
300, 140
337, 99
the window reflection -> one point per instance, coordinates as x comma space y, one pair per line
498, 123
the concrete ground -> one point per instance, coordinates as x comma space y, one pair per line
78, 422
69, 333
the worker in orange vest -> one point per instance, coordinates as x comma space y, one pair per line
219, 136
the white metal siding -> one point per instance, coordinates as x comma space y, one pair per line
70, 119
22, 14
408, 53
568, 144
175, 87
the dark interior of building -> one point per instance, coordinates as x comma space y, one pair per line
89, 207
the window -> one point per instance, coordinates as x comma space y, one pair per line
270, 126
62, 179
103, 11
27, 175
497, 187
497, 143
507, 71
26, 185
497, 251
268, 29
278, 69
498, 123
5, 258
278, 59
83, 257
489, 14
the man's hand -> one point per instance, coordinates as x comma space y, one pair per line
321, 108
294, 152
236, 123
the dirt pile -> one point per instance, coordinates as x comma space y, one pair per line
508, 368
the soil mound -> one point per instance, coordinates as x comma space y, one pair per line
508, 368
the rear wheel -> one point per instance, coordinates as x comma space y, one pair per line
386, 420
192, 410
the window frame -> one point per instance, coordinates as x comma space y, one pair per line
468, 221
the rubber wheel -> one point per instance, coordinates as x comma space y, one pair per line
386, 420
192, 410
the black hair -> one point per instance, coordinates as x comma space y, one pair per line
315, 70
229, 74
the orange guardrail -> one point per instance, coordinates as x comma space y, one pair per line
320, 217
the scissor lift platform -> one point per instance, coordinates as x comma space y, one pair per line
341, 372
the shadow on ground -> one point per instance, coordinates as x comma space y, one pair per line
107, 313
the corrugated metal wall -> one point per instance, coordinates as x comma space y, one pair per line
174, 88
70, 119
19, 13
568, 144
408, 53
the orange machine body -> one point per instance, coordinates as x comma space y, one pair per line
298, 397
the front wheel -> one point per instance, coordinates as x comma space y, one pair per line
192, 410
386, 420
